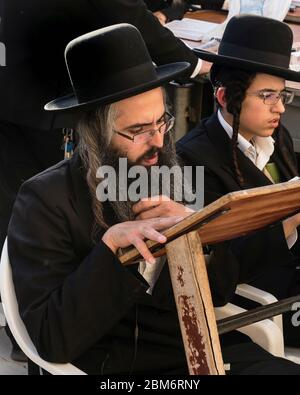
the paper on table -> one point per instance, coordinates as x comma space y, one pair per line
191, 29
201, 31
270, 8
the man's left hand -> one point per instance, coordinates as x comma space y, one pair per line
161, 17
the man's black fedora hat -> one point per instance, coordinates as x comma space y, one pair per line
108, 65
255, 43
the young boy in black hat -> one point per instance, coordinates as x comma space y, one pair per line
77, 301
244, 145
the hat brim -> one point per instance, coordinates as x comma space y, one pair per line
165, 73
234, 62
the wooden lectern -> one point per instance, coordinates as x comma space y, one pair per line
235, 214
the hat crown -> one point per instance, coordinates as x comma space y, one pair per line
108, 65
257, 44
257, 39
108, 59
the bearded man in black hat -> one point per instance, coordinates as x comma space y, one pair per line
33, 35
77, 301
244, 145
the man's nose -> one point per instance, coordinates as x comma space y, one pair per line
157, 140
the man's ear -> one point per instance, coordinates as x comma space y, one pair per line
220, 96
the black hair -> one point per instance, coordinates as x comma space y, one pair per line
236, 83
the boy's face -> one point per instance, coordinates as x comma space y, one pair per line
260, 114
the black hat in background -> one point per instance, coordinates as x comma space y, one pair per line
255, 43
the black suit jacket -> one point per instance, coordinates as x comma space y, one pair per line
80, 304
77, 301
36, 33
265, 253
209, 145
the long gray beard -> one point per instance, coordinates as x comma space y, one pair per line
123, 209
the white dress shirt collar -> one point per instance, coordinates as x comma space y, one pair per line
259, 152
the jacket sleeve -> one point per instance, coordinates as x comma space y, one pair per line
61, 295
175, 11
163, 46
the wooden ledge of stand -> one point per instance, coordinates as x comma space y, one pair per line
233, 215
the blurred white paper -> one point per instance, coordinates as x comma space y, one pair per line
197, 30
190, 29
276, 9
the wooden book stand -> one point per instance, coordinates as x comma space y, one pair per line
235, 214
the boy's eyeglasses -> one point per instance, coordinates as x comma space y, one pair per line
271, 98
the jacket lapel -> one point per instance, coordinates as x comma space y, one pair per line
282, 166
284, 155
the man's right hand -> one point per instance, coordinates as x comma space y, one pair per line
205, 67
290, 225
135, 232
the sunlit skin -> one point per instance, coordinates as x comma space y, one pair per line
257, 118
